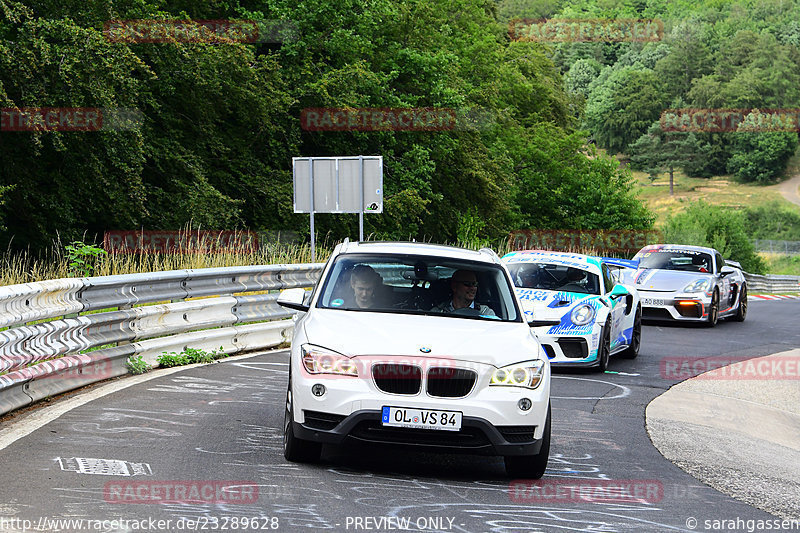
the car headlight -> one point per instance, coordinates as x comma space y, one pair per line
582, 315
317, 360
528, 375
700, 285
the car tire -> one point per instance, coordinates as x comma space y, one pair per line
531, 466
294, 449
636, 336
713, 310
741, 313
604, 350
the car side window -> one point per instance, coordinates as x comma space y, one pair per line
720, 263
608, 280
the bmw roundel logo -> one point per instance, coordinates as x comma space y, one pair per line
425, 349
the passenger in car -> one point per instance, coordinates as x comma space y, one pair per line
464, 287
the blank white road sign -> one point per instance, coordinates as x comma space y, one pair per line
337, 187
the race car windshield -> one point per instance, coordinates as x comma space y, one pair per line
553, 277
406, 284
684, 260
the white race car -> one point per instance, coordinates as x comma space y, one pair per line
420, 346
578, 310
688, 284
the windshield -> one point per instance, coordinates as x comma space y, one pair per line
686, 260
405, 284
554, 277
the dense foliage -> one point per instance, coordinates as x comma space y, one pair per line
773, 221
221, 122
740, 54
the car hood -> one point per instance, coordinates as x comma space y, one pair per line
648, 279
356, 333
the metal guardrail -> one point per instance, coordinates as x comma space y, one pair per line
201, 308
772, 283
49, 328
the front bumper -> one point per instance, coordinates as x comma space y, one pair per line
350, 409
476, 436
683, 307
569, 350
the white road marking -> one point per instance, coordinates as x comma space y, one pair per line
625, 390
29, 423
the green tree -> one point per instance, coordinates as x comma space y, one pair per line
581, 74
689, 57
660, 151
561, 186
620, 108
761, 156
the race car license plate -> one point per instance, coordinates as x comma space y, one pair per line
653, 301
421, 418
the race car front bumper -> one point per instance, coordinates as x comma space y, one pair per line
684, 307
569, 350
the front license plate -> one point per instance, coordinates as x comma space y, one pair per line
421, 418
653, 301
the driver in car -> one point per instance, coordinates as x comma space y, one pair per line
464, 286
365, 282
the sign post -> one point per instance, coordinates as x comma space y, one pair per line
346, 184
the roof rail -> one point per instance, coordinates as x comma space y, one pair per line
491, 252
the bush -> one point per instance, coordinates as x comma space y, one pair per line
761, 156
717, 227
189, 356
773, 221
137, 365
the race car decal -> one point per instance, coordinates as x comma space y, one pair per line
535, 295
650, 248
564, 298
644, 275
625, 336
576, 261
567, 327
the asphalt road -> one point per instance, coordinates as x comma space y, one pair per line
222, 423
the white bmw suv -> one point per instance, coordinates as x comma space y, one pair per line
417, 345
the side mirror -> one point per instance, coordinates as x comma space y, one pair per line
726, 270
527, 310
618, 292
293, 299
